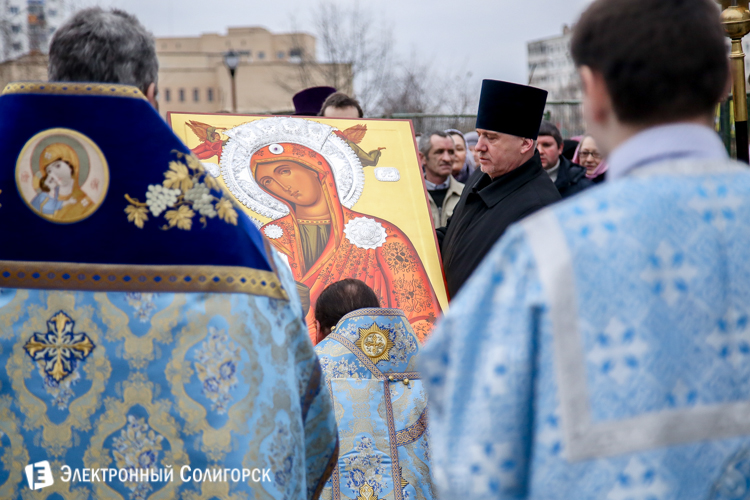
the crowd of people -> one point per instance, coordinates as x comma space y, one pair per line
572, 172
596, 345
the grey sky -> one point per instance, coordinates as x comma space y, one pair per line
485, 37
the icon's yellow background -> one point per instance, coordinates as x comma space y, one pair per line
403, 203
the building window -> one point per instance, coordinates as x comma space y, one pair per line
167, 95
261, 55
163, 45
280, 54
16, 46
13, 9
16, 28
295, 55
182, 95
52, 12
210, 95
196, 95
243, 42
177, 46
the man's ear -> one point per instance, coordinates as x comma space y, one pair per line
527, 145
422, 159
151, 95
318, 333
596, 95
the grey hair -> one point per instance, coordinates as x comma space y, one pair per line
104, 47
425, 141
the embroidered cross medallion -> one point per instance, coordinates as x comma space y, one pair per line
375, 343
60, 349
367, 493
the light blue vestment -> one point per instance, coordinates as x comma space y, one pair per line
602, 350
143, 359
151, 381
369, 364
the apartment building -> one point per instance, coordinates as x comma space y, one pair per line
193, 76
551, 67
26, 26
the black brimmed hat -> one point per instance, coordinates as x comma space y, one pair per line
511, 109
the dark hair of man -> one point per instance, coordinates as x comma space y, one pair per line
341, 100
548, 128
661, 60
103, 46
425, 141
341, 298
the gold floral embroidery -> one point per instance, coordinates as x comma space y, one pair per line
137, 215
182, 218
226, 211
178, 177
186, 192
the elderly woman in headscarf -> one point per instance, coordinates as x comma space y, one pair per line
463, 165
588, 156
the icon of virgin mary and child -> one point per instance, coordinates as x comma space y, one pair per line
325, 242
59, 195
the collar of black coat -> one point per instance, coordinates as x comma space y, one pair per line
568, 173
493, 191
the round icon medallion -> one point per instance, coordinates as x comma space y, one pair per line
62, 175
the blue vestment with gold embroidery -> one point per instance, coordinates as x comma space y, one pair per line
369, 364
144, 325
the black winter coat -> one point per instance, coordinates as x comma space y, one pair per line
571, 178
486, 208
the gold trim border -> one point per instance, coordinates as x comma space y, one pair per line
140, 278
65, 88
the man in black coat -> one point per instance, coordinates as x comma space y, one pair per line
569, 178
509, 185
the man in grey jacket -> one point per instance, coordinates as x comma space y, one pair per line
436, 155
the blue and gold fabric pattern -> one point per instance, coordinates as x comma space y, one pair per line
150, 347
368, 362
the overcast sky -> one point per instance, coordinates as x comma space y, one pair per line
485, 37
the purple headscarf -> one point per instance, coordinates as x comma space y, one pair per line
599, 170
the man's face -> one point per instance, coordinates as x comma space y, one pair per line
501, 153
347, 112
549, 151
439, 161
289, 181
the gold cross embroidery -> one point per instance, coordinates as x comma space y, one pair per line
60, 349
